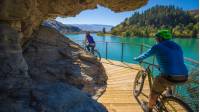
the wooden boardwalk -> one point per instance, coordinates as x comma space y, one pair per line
118, 96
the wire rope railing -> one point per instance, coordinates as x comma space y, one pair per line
188, 92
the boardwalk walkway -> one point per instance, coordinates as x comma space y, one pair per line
119, 96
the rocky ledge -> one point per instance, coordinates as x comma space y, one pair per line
52, 57
40, 69
51, 73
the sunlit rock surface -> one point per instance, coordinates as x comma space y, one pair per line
52, 57
48, 76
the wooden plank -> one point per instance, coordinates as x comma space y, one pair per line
118, 96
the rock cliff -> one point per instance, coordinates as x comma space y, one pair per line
40, 69
50, 73
27, 15
52, 57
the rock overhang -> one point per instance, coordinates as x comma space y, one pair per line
26, 15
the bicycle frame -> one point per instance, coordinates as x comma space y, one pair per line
149, 73
161, 101
85, 47
98, 55
150, 78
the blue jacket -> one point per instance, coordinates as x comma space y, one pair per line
90, 39
169, 56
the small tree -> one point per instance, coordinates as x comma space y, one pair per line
104, 30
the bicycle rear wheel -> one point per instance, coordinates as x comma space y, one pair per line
173, 104
97, 55
139, 83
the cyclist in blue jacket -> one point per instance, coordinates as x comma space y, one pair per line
170, 59
90, 43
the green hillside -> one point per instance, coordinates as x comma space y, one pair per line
181, 23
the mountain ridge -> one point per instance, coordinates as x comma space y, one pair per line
93, 27
62, 28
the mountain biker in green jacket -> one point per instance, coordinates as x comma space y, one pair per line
170, 59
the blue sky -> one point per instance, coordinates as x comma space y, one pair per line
105, 16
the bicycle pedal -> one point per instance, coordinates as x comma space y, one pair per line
158, 104
144, 106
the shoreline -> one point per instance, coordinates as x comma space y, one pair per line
118, 36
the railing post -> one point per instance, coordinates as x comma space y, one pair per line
153, 64
122, 52
141, 48
106, 50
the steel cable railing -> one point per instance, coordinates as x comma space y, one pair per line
188, 92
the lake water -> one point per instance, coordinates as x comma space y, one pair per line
131, 47
130, 50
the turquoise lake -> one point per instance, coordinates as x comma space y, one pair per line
131, 48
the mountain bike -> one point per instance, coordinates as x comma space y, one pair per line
96, 53
165, 103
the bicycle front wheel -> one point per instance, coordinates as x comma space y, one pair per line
173, 104
139, 83
97, 55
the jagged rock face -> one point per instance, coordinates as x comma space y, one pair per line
51, 73
56, 76
51, 97
13, 68
60, 97
26, 15
52, 57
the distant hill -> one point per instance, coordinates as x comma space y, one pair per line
93, 27
61, 27
181, 23
194, 12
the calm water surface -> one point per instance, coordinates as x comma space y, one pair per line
114, 50
190, 46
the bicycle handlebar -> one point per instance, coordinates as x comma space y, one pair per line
149, 64
157, 66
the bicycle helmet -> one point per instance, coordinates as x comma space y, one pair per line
165, 34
